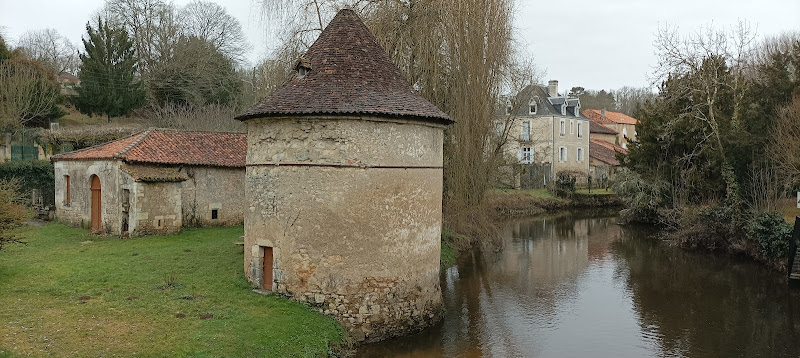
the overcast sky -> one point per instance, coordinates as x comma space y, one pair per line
596, 44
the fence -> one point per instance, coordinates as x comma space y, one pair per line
534, 175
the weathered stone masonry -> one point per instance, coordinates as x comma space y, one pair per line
352, 210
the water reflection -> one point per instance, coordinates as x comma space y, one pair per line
574, 285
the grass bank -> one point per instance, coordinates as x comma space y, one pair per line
67, 293
508, 203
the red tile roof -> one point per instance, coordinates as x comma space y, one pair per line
166, 146
349, 74
595, 127
611, 117
605, 152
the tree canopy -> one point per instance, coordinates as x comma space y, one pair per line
107, 73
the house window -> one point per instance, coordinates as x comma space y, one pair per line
527, 155
509, 108
563, 128
532, 107
562, 154
579, 155
580, 131
526, 131
564, 109
67, 194
214, 214
625, 132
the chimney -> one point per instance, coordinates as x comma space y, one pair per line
552, 88
603, 114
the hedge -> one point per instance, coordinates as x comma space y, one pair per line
32, 174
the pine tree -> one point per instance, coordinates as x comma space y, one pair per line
107, 73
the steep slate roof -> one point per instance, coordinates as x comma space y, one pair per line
605, 151
595, 127
349, 74
611, 117
165, 146
546, 105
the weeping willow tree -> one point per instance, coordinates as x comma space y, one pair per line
457, 54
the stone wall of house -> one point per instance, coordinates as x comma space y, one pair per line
155, 208
212, 189
611, 138
353, 218
626, 132
77, 210
571, 141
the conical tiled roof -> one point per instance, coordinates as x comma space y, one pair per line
349, 74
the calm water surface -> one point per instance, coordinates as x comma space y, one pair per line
583, 286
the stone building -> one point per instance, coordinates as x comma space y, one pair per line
623, 124
153, 182
344, 188
546, 127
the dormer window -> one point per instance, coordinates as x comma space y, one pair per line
302, 67
577, 110
532, 107
564, 109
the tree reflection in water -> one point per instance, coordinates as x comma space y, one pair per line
580, 285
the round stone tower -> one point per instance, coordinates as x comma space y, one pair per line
344, 188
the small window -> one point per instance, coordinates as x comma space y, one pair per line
532, 107
214, 214
624, 132
67, 193
562, 154
564, 109
580, 131
563, 128
527, 155
509, 108
526, 131
159, 222
579, 155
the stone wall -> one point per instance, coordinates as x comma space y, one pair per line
77, 210
155, 208
212, 188
353, 217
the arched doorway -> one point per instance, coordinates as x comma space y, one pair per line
96, 204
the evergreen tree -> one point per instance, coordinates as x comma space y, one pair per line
107, 73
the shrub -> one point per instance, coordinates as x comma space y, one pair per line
565, 185
12, 214
772, 233
644, 197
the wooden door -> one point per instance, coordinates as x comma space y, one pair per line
267, 282
96, 204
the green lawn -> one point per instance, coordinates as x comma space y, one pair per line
535, 193
69, 293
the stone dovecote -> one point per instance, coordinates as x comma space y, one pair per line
344, 188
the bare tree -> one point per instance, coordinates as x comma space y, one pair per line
210, 22
152, 24
28, 90
629, 98
785, 146
50, 48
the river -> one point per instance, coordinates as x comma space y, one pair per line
580, 285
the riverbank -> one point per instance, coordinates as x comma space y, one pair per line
503, 204
511, 203
70, 293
